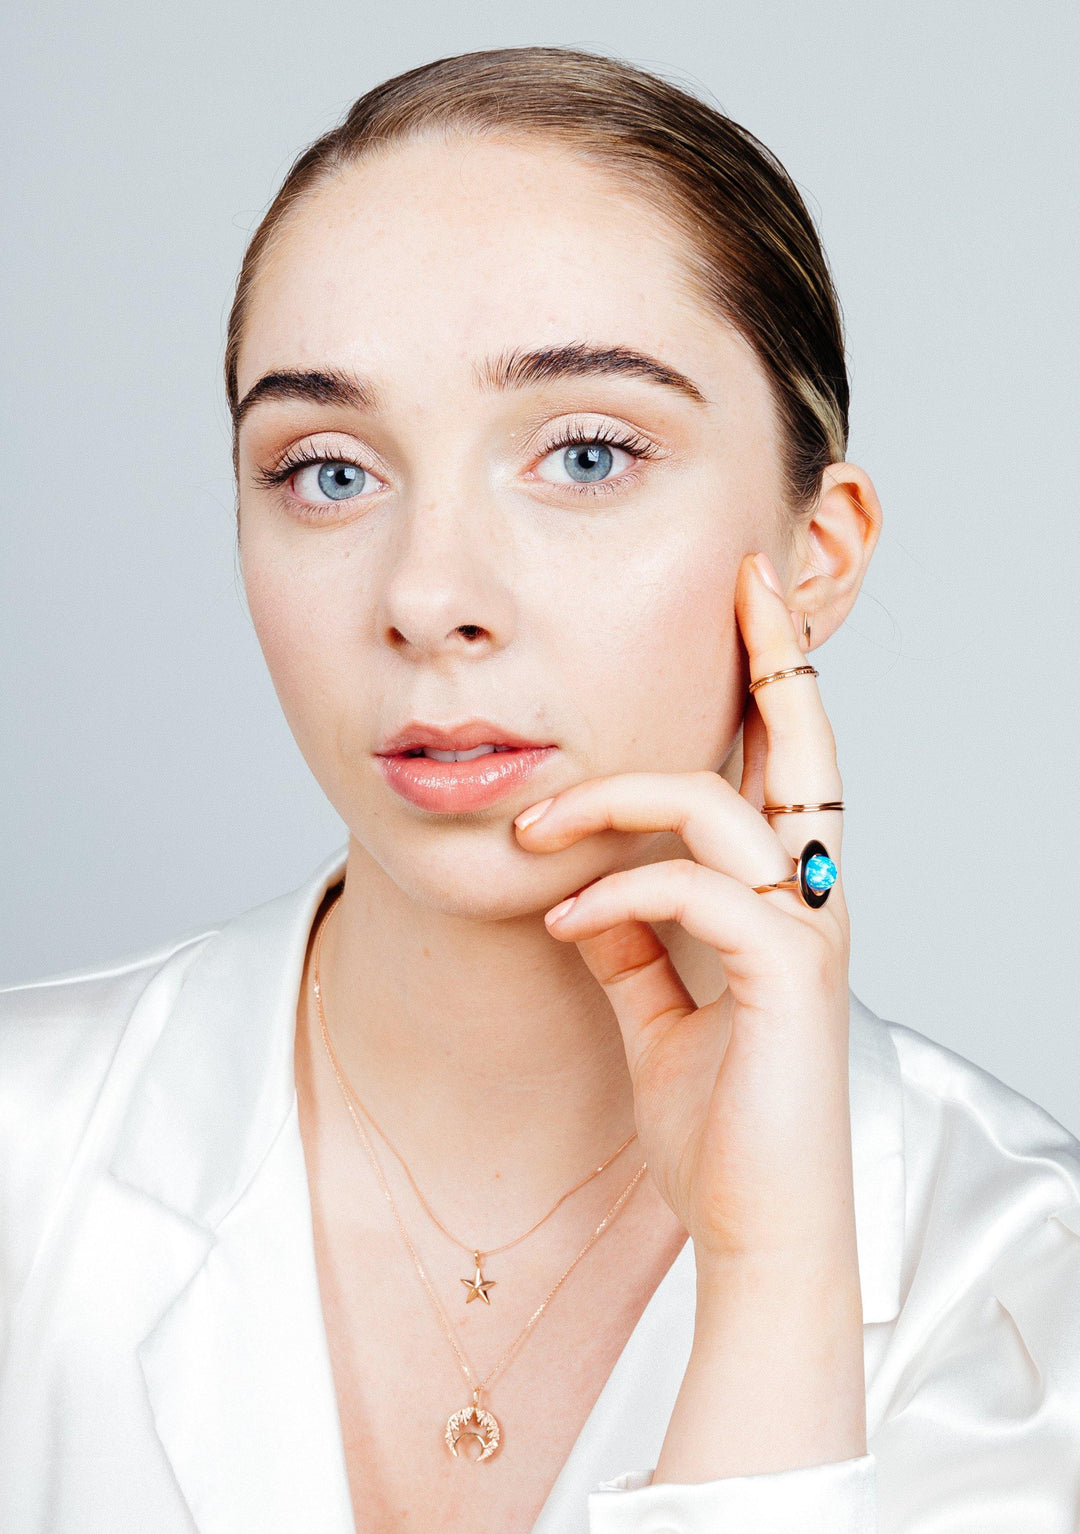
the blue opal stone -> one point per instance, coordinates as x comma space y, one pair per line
820, 873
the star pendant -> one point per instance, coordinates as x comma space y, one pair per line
478, 1285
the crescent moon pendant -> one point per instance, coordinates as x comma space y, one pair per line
485, 1430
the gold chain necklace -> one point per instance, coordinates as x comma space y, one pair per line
478, 1285
472, 1421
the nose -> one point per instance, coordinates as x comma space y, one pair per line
447, 586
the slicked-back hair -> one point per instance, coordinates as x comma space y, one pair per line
751, 245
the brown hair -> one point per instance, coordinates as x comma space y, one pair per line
752, 245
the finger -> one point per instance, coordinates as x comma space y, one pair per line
645, 989
631, 963
800, 759
754, 749
721, 830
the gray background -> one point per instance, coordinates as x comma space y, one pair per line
150, 782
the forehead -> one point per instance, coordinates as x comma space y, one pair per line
434, 252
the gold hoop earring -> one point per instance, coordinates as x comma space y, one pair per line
806, 628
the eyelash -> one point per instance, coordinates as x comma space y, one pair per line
572, 435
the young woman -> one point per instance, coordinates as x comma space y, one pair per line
532, 1168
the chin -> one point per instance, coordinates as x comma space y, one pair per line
485, 876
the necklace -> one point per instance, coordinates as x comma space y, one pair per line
478, 1285
472, 1421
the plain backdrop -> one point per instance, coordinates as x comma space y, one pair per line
150, 783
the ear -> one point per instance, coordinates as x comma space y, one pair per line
832, 548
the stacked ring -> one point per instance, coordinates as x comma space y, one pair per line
813, 879
779, 676
801, 809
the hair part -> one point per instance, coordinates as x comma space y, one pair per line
752, 247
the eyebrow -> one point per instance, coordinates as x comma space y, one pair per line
510, 370
330, 386
521, 369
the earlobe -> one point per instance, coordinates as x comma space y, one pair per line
835, 543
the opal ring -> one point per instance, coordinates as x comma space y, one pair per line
813, 879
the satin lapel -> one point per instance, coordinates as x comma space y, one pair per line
238, 1373
236, 1364
877, 1153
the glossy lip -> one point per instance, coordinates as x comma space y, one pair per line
461, 786
458, 737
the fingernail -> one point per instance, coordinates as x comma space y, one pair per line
559, 911
527, 817
767, 572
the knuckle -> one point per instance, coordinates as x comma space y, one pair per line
683, 870
720, 787
821, 958
681, 876
710, 780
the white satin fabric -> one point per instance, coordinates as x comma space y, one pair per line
164, 1362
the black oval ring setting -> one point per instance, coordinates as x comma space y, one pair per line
813, 879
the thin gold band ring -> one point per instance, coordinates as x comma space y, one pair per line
778, 676
801, 809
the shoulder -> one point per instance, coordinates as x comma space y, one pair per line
973, 1197
964, 1125
71, 1046
991, 1182
62, 1031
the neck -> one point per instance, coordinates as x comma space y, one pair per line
489, 1036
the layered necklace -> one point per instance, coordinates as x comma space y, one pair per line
471, 1422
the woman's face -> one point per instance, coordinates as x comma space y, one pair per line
508, 517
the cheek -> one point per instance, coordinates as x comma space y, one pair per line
665, 664
294, 620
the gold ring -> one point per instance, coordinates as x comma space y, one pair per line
813, 879
778, 676
801, 809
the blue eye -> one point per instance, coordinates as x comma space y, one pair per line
334, 478
319, 481
588, 461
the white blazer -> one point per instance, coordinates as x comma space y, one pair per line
164, 1364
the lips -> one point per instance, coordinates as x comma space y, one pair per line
458, 786
414, 736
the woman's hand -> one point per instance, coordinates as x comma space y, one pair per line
741, 1105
